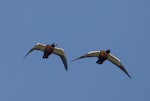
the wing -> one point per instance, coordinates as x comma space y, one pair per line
89, 54
38, 46
118, 63
60, 52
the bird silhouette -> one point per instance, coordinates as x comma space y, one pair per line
105, 55
48, 50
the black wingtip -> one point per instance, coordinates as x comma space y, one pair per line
129, 76
66, 68
73, 60
24, 57
28, 53
76, 59
125, 71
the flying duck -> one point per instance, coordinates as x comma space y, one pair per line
48, 50
105, 55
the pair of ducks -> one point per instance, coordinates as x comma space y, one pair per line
101, 55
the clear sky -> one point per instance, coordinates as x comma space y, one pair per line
77, 26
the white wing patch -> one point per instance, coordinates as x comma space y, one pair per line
117, 62
114, 60
60, 52
93, 54
38, 46
89, 54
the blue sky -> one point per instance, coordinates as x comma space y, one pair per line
77, 26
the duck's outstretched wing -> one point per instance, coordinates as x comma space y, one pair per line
38, 46
89, 54
118, 63
60, 52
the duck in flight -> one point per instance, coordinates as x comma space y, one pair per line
105, 55
48, 50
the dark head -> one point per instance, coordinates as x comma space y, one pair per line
108, 51
54, 44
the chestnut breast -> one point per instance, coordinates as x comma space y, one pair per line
49, 49
103, 54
